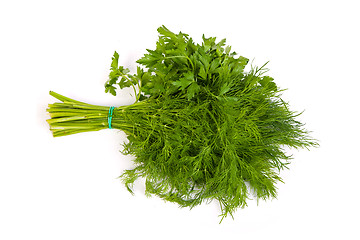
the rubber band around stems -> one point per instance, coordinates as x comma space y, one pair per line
111, 110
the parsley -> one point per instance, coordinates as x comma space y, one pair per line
201, 128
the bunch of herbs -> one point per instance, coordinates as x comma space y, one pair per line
201, 128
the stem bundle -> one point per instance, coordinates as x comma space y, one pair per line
71, 116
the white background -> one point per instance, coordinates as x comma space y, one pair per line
66, 188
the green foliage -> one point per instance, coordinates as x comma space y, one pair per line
201, 128
119, 76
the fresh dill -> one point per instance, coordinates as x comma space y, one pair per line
201, 128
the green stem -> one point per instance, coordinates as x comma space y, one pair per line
70, 116
137, 94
